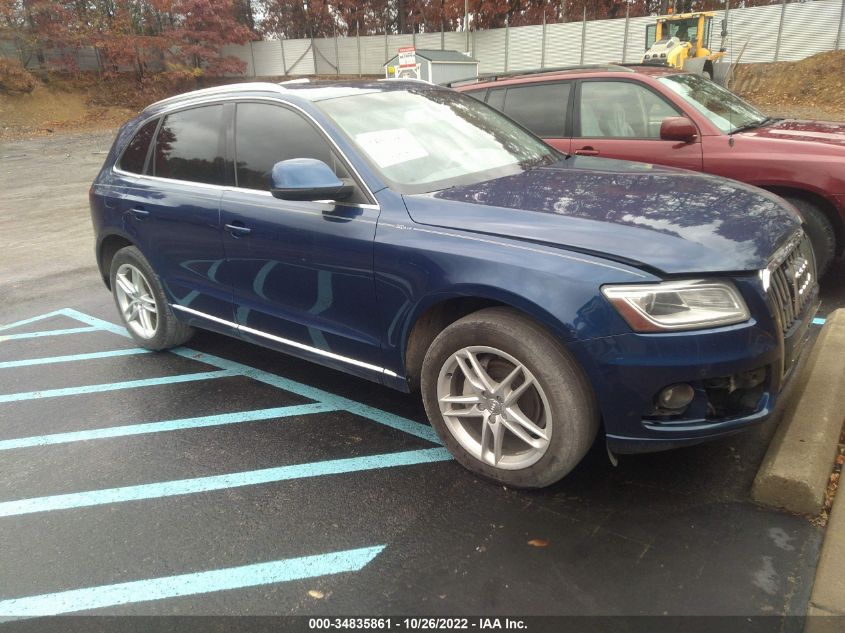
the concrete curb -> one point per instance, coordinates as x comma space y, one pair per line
828, 597
796, 469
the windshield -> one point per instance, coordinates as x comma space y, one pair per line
684, 30
428, 140
723, 108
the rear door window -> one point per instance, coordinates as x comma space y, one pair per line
190, 146
541, 108
135, 155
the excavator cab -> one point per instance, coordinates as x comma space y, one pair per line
683, 41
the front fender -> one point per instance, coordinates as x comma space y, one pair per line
417, 267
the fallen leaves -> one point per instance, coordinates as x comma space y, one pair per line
833, 482
538, 542
314, 593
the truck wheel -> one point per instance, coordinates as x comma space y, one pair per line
820, 232
141, 302
507, 399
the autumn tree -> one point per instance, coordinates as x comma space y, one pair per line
198, 29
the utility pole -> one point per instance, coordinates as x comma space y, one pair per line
466, 23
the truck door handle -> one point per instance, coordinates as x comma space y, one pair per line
237, 229
139, 213
587, 151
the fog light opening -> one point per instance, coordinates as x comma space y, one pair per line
676, 397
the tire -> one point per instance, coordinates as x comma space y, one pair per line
138, 292
820, 231
558, 400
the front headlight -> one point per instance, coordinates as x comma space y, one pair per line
678, 305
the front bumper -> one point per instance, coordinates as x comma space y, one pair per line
628, 370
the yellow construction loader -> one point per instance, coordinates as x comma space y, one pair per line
682, 41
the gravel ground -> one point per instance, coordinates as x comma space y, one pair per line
48, 180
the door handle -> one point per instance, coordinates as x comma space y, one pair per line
237, 229
587, 151
139, 213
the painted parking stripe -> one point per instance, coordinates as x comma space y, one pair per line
70, 330
167, 425
73, 357
190, 584
392, 420
101, 324
115, 386
221, 482
423, 431
818, 321
40, 317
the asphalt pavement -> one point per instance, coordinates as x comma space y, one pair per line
230, 479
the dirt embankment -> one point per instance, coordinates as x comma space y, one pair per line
812, 88
81, 103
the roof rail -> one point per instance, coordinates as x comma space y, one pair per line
254, 85
537, 71
414, 79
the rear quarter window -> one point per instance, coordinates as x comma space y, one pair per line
135, 155
540, 108
481, 95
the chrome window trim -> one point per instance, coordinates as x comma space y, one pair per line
218, 90
211, 99
264, 192
260, 192
284, 341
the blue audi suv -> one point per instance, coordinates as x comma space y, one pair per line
413, 236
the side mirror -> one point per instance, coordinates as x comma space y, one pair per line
678, 128
306, 179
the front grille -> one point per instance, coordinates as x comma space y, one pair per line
792, 279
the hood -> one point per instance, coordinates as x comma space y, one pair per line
828, 132
658, 218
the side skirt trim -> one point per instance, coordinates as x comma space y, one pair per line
285, 341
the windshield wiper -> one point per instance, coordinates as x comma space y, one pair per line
753, 126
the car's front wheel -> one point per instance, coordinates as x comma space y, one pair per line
507, 400
141, 302
820, 231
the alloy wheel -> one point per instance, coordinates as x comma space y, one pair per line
136, 301
494, 407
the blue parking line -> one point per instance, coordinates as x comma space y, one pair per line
192, 584
100, 324
24, 335
392, 420
164, 426
40, 317
818, 321
221, 482
73, 357
114, 386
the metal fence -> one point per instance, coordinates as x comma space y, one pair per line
781, 32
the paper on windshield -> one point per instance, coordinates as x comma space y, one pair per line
391, 147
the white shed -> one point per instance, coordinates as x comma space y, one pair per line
438, 66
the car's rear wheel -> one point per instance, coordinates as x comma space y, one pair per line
141, 302
820, 231
507, 400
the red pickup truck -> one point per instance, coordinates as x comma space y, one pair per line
663, 116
